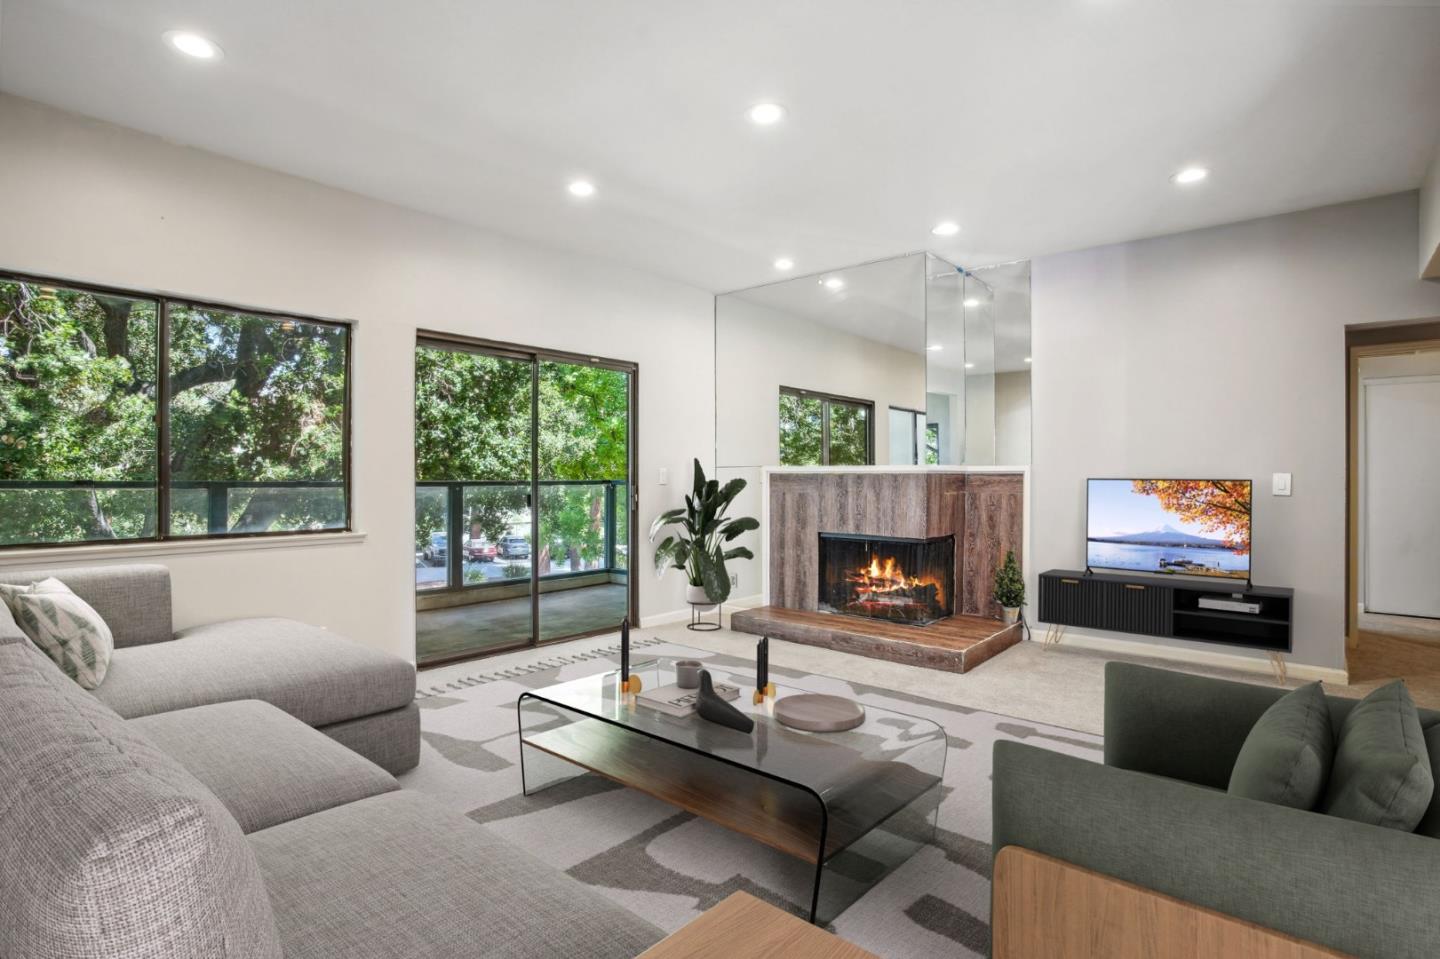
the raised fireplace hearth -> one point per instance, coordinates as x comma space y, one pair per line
898, 580
858, 560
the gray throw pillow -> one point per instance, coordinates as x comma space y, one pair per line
1286, 758
1382, 769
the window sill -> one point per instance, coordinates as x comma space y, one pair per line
46, 555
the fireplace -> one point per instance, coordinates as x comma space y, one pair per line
909, 581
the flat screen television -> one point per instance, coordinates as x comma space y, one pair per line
1176, 527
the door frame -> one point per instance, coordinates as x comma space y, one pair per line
438, 339
1365, 341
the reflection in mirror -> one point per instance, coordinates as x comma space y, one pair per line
910, 361
806, 370
977, 397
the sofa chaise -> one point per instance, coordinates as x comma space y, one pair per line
236, 828
356, 696
1157, 816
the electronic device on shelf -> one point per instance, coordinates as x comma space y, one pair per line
1170, 527
1229, 604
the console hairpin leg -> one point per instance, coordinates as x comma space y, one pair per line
1053, 635
1277, 665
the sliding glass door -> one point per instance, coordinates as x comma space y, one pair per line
584, 490
523, 460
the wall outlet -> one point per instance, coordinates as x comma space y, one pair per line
1280, 484
734, 580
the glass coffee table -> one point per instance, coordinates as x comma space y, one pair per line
853, 804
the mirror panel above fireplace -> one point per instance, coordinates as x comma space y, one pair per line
910, 362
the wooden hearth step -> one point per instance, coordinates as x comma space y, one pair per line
956, 645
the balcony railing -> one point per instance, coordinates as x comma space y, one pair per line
583, 531
57, 512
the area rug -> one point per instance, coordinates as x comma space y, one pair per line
669, 866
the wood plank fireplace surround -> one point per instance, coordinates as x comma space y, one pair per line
876, 608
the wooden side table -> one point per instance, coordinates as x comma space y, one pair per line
743, 927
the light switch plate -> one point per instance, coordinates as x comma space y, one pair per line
664, 476
1280, 484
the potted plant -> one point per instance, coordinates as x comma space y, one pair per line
1010, 588
697, 546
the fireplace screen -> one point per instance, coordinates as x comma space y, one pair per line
900, 580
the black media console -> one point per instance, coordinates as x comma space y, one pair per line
1158, 606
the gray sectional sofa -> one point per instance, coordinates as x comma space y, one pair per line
218, 802
360, 697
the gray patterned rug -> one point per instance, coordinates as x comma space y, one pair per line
669, 866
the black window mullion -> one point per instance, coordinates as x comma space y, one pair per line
824, 432
162, 421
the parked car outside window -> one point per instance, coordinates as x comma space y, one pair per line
514, 547
435, 550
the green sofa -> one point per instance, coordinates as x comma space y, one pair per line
1156, 814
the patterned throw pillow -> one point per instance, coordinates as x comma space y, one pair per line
64, 626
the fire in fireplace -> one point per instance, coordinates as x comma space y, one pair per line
900, 580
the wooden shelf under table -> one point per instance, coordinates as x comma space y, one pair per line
784, 817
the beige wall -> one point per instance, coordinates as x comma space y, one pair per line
1220, 352
89, 201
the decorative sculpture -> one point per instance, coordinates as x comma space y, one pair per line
716, 710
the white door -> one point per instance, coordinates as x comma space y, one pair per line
1401, 474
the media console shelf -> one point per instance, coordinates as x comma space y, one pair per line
1158, 606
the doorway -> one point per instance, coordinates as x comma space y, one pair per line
1393, 553
524, 496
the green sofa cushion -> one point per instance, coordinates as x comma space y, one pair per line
1382, 769
1286, 758
1430, 824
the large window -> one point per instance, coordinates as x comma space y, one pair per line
129, 417
817, 429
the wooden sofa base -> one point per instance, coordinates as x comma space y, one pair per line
1044, 907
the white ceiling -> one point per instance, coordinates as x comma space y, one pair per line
1039, 125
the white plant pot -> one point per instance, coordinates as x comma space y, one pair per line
695, 596
1010, 614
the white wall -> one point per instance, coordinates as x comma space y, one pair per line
1220, 352
88, 201
1430, 221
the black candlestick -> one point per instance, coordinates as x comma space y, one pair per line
625, 650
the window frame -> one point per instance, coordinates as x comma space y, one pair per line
164, 302
826, 399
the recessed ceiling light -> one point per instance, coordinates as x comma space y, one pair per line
935, 347
833, 283
1027, 359
581, 188
969, 366
1191, 174
946, 228
971, 303
766, 114
194, 45
784, 263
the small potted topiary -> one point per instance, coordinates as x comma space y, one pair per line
1010, 588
